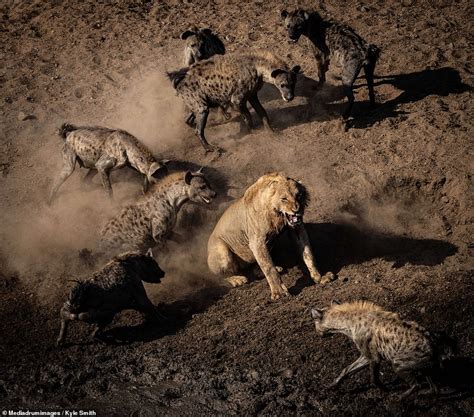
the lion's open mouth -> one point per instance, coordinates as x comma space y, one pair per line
293, 219
206, 200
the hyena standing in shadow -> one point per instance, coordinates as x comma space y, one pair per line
380, 334
117, 286
201, 44
339, 41
102, 150
232, 79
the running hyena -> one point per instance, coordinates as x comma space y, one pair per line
339, 41
148, 223
380, 334
102, 150
117, 286
231, 79
201, 44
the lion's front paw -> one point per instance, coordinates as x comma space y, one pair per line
327, 277
278, 292
237, 280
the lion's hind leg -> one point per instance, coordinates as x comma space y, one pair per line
223, 262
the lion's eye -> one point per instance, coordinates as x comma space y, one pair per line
284, 199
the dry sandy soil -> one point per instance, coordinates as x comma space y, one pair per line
391, 209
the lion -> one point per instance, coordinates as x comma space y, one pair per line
243, 233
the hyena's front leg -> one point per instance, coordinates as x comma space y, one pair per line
356, 366
308, 258
264, 261
255, 102
200, 126
69, 163
322, 63
104, 165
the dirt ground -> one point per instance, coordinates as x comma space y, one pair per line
390, 212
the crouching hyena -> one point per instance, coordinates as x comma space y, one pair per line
102, 150
335, 39
150, 222
201, 44
117, 286
231, 79
379, 334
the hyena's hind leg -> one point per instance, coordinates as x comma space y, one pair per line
369, 69
69, 163
349, 75
87, 179
104, 165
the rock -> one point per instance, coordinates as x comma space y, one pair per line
23, 116
407, 3
287, 373
423, 310
445, 199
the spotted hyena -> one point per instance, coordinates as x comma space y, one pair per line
380, 334
117, 286
339, 41
231, 79
150, 222
102, 150
201, 44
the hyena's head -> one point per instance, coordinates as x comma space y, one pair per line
78, 298
198, 188
142, 266
324, 320
296, 23
285, 81
196, 48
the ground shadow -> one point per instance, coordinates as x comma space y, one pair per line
339, 245
415, 86
177, 315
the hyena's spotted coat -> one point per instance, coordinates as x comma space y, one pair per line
150, 222
337, 40
231, 79
102, 150
380, 334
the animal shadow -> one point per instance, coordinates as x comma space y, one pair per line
338, 245
177, 314
415, 86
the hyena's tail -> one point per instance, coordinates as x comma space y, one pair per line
177, 76
65, 129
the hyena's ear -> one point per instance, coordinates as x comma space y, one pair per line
186, 34
284, 14
277, 72
156, 171
188, 177
304, 14
296, 69
207, 31
316, 314
335, 302
149, 253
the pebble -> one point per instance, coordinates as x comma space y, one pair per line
23, 116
